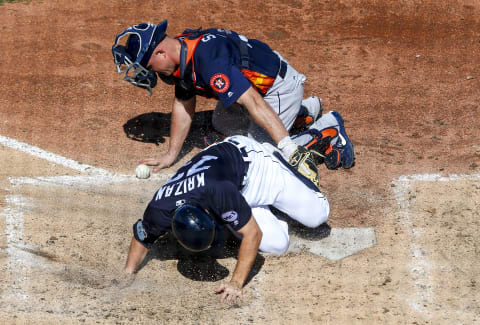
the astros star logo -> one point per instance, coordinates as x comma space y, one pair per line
220, 83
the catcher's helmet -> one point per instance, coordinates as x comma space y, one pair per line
193, 228
132, 57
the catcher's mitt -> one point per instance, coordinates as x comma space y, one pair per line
303, 161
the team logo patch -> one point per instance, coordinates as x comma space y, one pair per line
220, 83
230, 216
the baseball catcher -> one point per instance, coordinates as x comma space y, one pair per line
259, 93
230, 184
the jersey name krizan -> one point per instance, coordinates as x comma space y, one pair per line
188, 178
212, 181
184, 186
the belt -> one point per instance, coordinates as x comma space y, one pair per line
283, 69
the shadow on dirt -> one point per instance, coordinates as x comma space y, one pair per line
204, 266
155, 127
200, 266
313, 234
296, 228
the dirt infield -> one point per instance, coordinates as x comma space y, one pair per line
404, 74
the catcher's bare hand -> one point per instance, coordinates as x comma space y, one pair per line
159, 163
230, 293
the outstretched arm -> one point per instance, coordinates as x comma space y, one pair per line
136, 254
182, 117
252, 235
263, 114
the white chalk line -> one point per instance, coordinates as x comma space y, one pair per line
20, 262
436, 178
84, 181
59, 160
95, 177
421, 267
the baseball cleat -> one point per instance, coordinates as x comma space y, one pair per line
322, 149
343, 144
330, 145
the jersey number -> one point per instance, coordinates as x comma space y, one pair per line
207, 37
195, 168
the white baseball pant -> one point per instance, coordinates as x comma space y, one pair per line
269, 181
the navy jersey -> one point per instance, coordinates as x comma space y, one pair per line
216, 68
212, 180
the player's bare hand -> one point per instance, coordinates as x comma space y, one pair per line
122, 280
230, 293
159, 163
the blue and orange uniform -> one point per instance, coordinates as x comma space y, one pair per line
222, 64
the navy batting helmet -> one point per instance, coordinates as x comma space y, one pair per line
193, 228
132, 57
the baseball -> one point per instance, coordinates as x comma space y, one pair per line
142, 171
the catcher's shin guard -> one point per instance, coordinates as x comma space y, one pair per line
310, 111
322, 150
336, 153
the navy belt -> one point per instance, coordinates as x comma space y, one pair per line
283, 69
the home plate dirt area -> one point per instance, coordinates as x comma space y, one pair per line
401, 245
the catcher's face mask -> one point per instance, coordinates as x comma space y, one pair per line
132, 57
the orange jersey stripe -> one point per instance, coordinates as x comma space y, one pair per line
259, 80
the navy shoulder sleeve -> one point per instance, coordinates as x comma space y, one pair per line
154, 225
229, 205
226, 81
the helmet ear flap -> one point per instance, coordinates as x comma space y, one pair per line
132, 46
